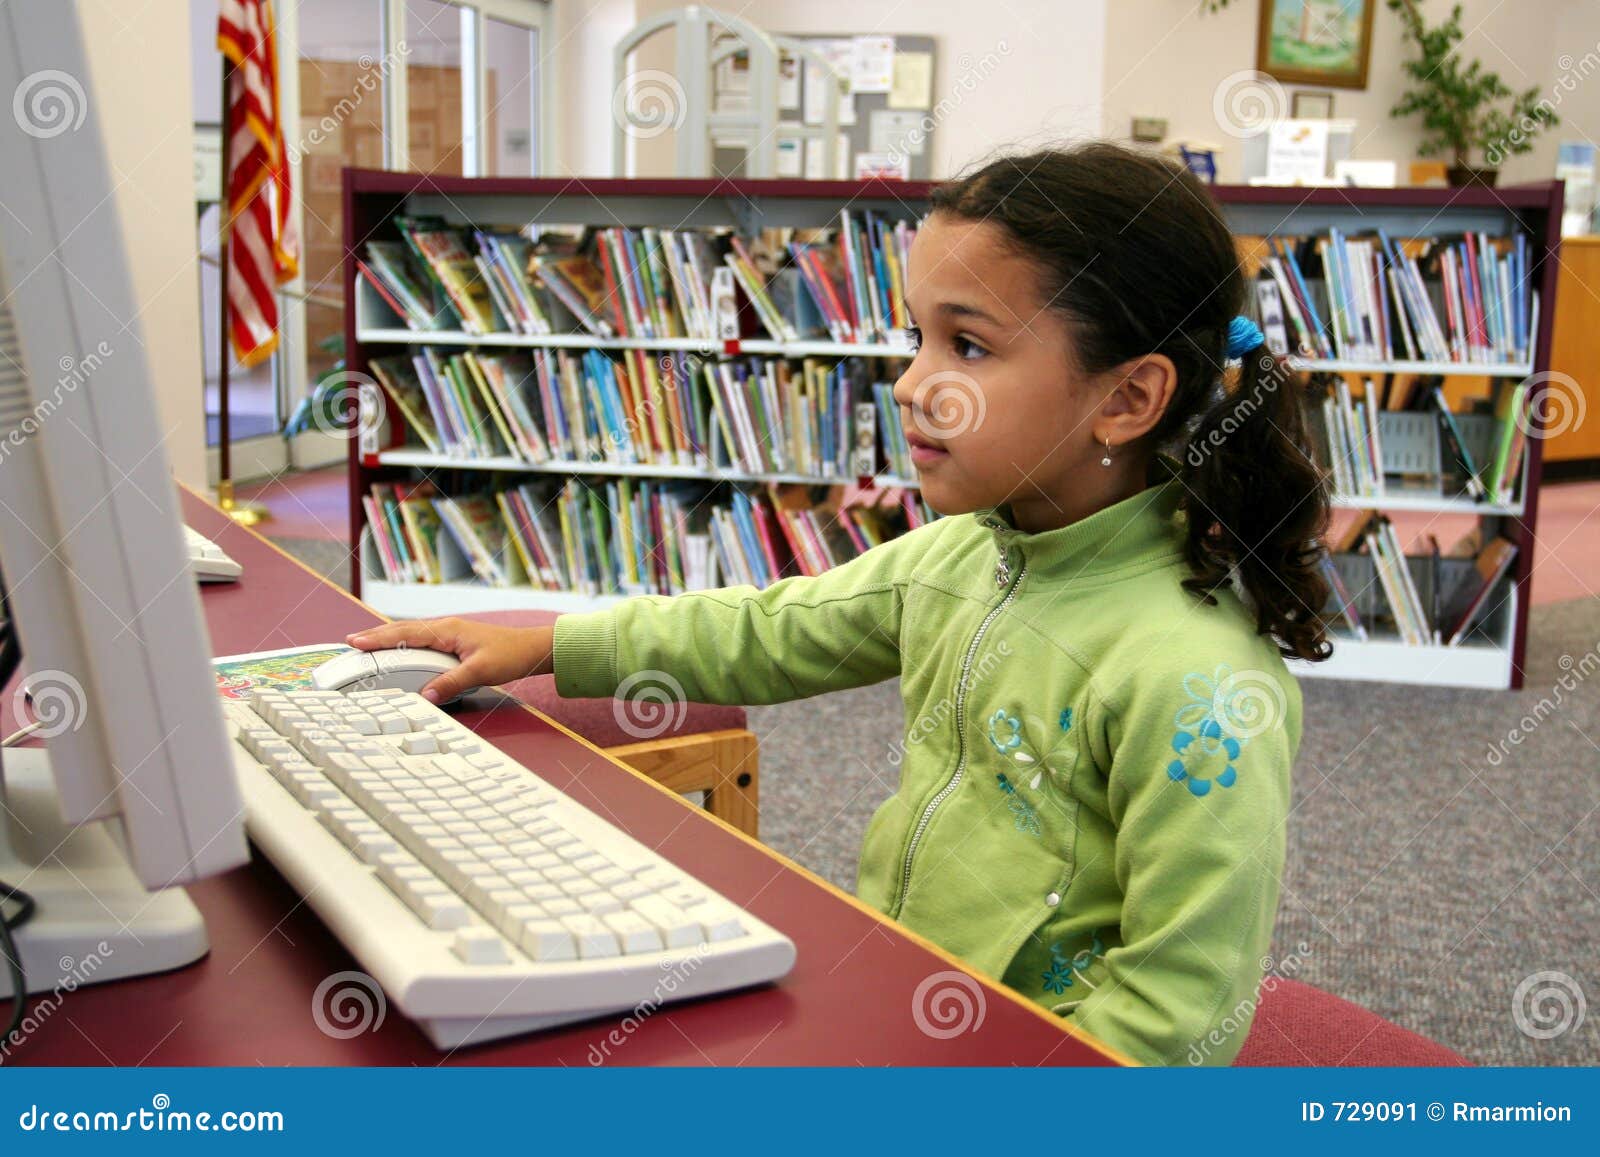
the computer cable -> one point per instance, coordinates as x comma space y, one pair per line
21, 733
19, 977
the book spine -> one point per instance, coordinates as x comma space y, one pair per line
1455, 446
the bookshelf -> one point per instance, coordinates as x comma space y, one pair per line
1491, 659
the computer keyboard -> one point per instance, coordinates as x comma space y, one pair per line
208, 562
481, 899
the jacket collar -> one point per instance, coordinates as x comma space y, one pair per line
1141, 528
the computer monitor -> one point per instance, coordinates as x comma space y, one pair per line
94, 556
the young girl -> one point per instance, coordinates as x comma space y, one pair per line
1100, 723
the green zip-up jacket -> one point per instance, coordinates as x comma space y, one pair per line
1095, 776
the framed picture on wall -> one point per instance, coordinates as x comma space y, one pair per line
1306, 105
1321, 42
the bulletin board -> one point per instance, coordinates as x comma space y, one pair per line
885, 119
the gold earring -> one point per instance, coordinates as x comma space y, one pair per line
1106, 461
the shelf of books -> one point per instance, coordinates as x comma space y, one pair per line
576, 391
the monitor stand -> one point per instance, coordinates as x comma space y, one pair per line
93, 919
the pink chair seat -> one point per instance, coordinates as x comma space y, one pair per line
599, 720
1296, 1024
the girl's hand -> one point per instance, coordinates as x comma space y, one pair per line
489, 655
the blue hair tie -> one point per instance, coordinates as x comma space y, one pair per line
1244, 335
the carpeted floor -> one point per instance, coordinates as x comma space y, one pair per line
1425, 881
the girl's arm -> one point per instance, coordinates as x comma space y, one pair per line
1199, 853
798, 637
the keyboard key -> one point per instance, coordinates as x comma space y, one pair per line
719, 922
398, 874
502, 900
515, 917
417, 743
599, 903
372, 847
435, 905
635, 933
548, 940
677, 928
341, 765
479, 945
593, 937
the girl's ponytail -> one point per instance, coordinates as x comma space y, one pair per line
1257, 504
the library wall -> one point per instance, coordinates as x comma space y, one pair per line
139, 78
357, 139
580, 119
1166, 58
1045, 59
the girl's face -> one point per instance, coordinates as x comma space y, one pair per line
992, 403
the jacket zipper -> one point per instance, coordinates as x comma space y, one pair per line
1002, 573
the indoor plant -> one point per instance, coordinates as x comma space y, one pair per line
1463, 106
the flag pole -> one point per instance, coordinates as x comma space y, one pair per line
244, 513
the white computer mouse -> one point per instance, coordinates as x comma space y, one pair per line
405, 669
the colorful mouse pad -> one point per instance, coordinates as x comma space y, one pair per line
238, 675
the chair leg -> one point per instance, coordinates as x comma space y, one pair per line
735, 792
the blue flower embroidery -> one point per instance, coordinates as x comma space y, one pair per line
1058, 979
1224, 713
1010, 741
1010, 738
1063, 969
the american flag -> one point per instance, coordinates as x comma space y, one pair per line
263, 249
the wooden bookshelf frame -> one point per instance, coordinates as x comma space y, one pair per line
371, 197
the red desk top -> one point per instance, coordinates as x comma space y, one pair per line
859, 991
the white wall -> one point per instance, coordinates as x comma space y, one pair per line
140, 84
1085, 67
584, 33
1167, 58
1015, 73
